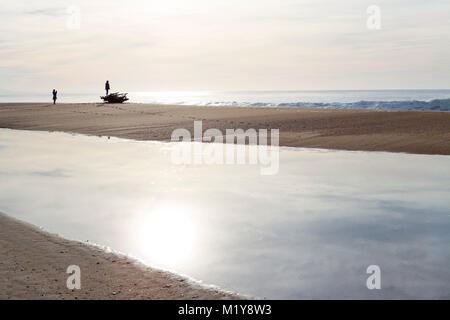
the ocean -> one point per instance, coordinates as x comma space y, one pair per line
421, 100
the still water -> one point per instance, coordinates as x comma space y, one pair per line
309, 231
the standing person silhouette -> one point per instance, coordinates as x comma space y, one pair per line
107, 87
54, 92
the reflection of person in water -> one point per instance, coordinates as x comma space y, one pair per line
54, 96
107, 87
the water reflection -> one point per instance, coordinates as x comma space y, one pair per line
166, 235
308, 232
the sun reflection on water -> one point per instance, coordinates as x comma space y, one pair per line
167, 235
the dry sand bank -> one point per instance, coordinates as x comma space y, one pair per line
399, 131
33, 266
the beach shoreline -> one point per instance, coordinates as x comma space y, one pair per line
34, 264
421, 132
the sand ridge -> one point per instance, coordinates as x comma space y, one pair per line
34, 264
422, 132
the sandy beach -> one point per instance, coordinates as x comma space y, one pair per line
395, 131
213, 150
34, 263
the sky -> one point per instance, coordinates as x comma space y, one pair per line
176, 45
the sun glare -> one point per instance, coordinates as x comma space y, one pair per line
167, 235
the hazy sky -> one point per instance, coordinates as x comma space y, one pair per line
152, 45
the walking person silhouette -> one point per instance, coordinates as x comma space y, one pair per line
54, 92
107, 87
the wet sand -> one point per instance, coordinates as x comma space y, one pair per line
33, 266
33, 262
395, 131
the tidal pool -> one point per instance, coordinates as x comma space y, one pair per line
309, 231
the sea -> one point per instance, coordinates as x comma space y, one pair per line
420, 100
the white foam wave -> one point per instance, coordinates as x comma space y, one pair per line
433, 105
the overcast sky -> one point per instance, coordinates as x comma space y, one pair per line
176, 45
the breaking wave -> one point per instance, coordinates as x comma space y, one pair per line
433, 105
